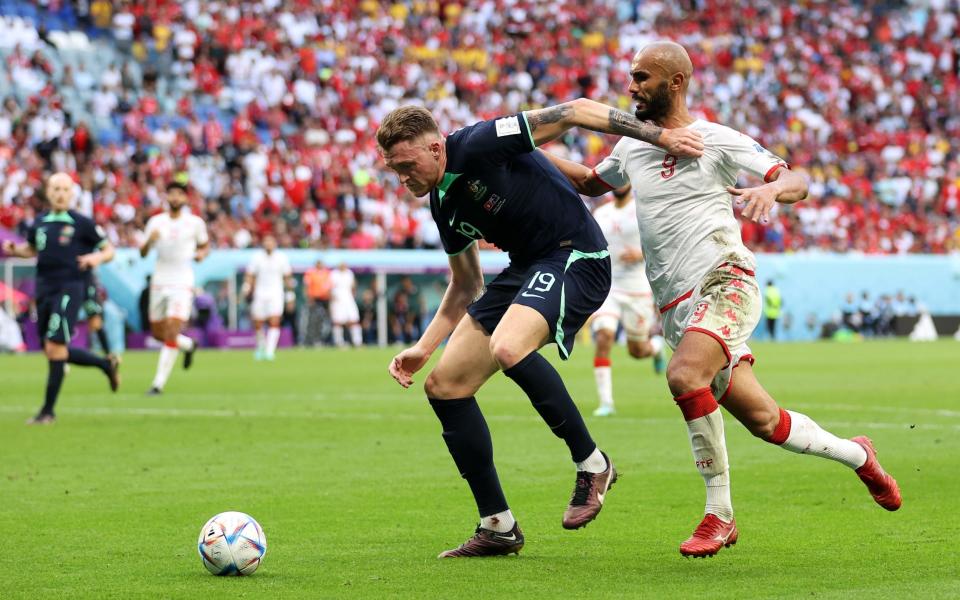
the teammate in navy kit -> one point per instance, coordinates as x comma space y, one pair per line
66, 244
485, 182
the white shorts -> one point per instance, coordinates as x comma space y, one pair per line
344, 311
266, 306
634, 311
725, 305
170, 302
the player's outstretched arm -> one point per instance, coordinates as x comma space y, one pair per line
466, 281
152, 239
549, 123
785, 187
583, 178
18, 250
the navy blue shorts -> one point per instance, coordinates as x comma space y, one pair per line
565, 287
57, 312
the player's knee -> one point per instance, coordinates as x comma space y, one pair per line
442, 388
639, 349
684, 375
506, 352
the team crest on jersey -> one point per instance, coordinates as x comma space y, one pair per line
699, 312
477, 189
66, 234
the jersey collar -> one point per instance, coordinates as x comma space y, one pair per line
448, 179
54, 217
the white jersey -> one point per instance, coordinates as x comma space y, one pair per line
176, 247
685, 213
341, 286
270, 271
619, 226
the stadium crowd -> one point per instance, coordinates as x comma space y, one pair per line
269, 107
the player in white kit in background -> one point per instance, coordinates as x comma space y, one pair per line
703, 281
268, 277
180, 238
343, 306
630, 302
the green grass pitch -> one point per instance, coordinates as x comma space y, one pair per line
355, 490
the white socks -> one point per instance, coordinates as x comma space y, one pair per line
273, 337
356, 335
804, 436
501, 522
168, 356
184, 343
261, 340
718, 496
595, 463
705, 428
338, 336
603, 374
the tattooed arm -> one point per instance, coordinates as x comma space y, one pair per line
549, 123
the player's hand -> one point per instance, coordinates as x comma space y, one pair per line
88, 261
682, 142
758, 201
9, 248
405, 364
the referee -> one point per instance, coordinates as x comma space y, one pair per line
66, 244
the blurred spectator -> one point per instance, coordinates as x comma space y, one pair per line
317, 286
850, 312
291, 317
270, 107
368, 315
406, 312
868, 315
772, 307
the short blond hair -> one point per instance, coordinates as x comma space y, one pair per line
404, 124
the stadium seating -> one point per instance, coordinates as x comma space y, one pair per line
276, 109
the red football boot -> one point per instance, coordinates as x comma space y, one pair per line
711, 535
882, 486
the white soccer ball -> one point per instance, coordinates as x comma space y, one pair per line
232, 543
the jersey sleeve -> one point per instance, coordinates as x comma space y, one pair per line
202, 237
92, 233
610, 170
32, 234
743, 153
287, 269
491, 142
150, 227
254, 267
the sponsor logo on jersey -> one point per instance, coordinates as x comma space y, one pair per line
494, 203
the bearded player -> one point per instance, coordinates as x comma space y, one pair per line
704, 284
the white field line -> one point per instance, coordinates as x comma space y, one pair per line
373, 416
937, 412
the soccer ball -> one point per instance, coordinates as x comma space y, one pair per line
232, 543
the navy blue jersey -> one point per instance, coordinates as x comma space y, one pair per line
59, 238
497, 188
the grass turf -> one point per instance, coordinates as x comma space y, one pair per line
357, 494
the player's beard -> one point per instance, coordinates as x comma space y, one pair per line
657, 106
